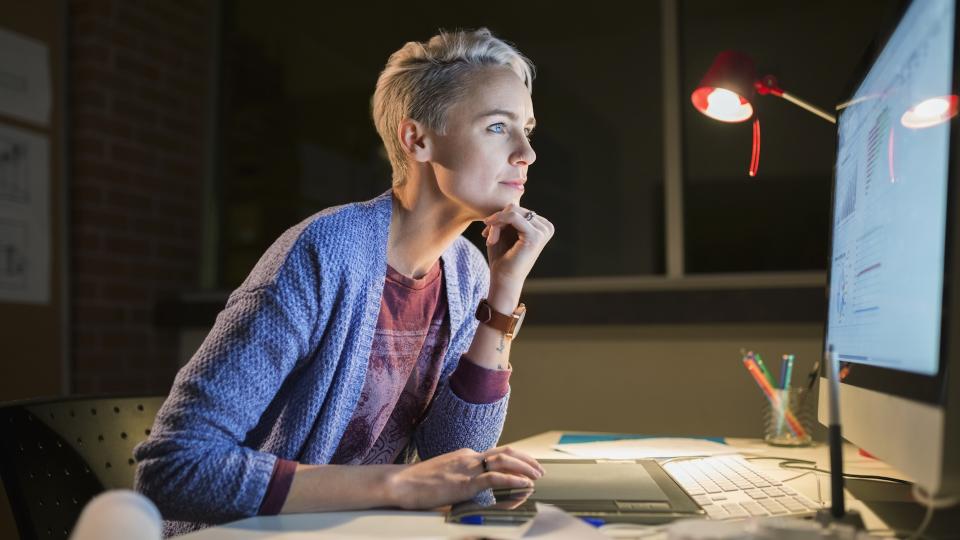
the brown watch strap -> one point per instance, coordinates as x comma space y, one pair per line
499, 321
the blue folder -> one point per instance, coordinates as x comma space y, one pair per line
574, 438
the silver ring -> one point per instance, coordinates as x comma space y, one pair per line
486, 467
530, 215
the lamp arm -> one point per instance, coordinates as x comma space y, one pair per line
805, 105
768, 85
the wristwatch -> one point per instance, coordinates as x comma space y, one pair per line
508, 324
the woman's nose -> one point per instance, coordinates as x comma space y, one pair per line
524, 155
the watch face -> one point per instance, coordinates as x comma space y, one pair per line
516, 327
519, 315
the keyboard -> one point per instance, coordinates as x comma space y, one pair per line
728, 487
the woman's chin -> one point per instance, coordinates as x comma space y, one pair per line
513, 196
497, 202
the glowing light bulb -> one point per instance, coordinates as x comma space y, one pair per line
932, 107
725, 105
721, 104
723, 100
930, 112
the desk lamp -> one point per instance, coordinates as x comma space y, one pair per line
730, 86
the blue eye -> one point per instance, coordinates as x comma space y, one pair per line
497, 128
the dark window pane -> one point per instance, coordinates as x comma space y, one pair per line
296, 132
778, 220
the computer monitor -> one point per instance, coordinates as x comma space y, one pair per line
894, 272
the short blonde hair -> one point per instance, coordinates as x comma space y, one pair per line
421, 81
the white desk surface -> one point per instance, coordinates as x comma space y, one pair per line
406, 524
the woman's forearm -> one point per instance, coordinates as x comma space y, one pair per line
490, 348
319, 488
445, 479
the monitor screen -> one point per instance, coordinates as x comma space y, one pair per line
890, 194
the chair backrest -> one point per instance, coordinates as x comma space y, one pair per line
57, 455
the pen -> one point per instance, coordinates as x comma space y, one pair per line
478, 519
757, 360
768, 391
786, 371
764, 370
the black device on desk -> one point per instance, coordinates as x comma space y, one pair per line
629, 491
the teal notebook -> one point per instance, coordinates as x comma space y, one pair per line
574, 438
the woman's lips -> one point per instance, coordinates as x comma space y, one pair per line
515, 184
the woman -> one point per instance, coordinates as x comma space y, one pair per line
353, 345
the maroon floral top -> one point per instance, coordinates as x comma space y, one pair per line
405, 362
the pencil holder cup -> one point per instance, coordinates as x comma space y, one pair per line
788, 418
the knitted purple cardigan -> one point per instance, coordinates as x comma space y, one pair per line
281, 370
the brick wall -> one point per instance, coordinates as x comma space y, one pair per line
138, 89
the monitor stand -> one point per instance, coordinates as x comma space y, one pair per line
894, 504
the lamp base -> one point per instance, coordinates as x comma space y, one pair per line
850, 517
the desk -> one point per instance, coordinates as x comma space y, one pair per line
402, 524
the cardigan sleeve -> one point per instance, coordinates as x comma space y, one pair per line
452, 424
194, 466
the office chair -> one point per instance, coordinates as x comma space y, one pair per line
56, 455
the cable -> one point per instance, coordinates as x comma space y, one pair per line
875, 478
789, 463
778, 458
664, 461
931, 502
927, 518
815, 477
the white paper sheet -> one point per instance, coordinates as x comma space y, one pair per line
24, 78
658, 447
24, 216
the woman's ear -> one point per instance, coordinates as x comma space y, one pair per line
415, 139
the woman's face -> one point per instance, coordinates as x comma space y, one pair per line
481, 161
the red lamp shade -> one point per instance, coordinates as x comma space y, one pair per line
726, 90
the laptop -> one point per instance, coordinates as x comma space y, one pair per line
621, 491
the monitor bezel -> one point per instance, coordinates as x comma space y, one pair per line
914, 386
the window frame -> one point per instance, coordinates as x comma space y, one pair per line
770, 296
